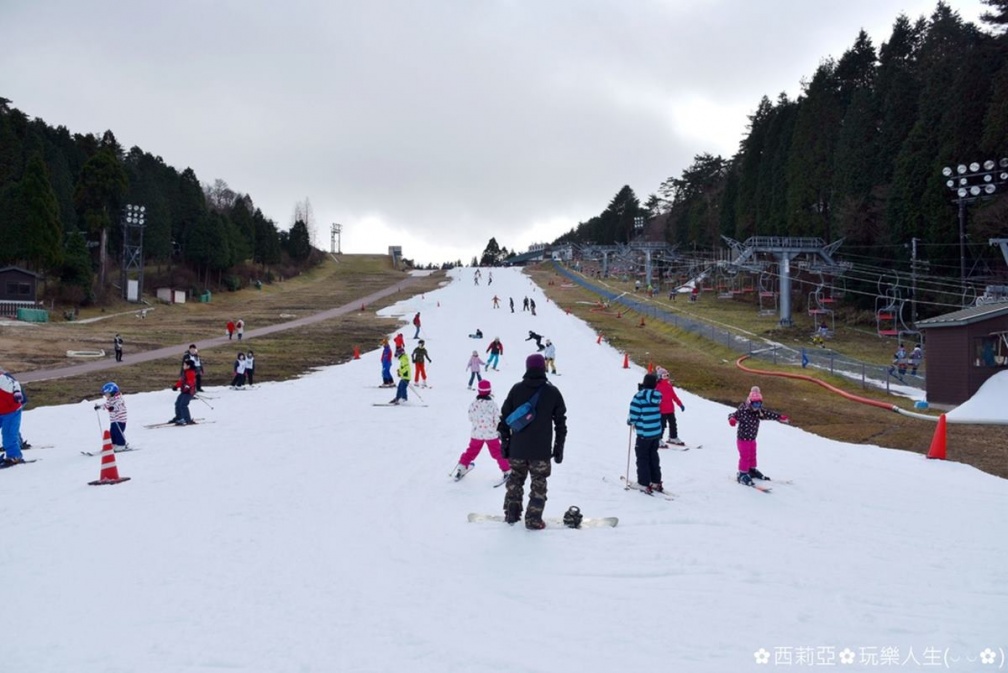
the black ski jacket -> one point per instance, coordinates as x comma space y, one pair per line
535, 441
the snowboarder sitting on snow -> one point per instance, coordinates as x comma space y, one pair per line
669, 400
115, 404
645, 416
477, 335
404, 376
483, 416
537, 338
747, 417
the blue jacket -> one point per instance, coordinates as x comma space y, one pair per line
645, 413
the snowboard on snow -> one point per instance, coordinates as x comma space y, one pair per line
551, 522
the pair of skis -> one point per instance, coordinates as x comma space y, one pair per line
98, 453
458, 474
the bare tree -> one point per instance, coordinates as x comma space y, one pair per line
303, 213
220, 198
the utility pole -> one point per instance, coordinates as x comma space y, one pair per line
334, 238
913, 281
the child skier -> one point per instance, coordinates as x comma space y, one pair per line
249, 368
495, 349
115, 405
420, 358
549, 353
669, 400
404, 376
483, 416
747, 417
473, 367
239, 372
186, 385
645, 416
386, 364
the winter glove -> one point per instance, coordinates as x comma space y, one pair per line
731, 421
18, 397
558, 453
506, 446
97, 407
784, 419
175, 387
682, 407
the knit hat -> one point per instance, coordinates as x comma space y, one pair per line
755, 395
535, 362
484, 387
662, 373
650, 381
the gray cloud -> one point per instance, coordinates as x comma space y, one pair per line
436, 124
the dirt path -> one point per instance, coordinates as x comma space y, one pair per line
174, 350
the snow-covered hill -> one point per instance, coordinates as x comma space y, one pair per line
306, 530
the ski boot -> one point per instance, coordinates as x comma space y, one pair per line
744, 479
756, 474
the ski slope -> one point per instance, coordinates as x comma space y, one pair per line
307, 531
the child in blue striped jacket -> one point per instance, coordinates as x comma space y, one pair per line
645, 416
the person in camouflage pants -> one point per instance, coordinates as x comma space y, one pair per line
515, 496
530, 449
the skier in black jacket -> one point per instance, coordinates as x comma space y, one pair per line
529, 450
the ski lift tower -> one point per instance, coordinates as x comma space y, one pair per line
783, 249
334, 238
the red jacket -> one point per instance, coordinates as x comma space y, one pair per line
9, 388
187, 382
669, 399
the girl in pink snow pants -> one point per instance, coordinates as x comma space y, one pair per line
484, 416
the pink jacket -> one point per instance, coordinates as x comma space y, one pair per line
669, 399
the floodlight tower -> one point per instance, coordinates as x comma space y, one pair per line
133, 221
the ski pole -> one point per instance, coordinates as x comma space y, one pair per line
413, 388
98, 417
204, 402
629, 440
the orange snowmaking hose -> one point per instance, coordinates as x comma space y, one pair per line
842, 393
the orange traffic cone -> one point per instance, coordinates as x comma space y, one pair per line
650, 367
109, 471
356, 352
599, 340
937, 449
626, 361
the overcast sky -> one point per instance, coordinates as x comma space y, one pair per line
430, 124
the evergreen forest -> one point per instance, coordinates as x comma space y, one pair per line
859, 156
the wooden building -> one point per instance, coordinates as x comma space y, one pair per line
964, 349
18, 289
